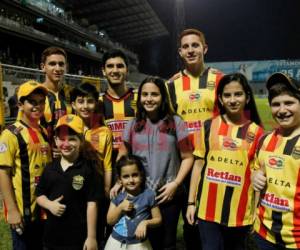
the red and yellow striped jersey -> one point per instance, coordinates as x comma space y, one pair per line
117, 112
225, 195
278, 214
194, 98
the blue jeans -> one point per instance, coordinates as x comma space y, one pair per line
215, 236
263, 244
30, 239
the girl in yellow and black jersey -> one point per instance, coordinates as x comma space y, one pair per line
277, 172
221, 197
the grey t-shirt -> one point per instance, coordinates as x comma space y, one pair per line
159, 147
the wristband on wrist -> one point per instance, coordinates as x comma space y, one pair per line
191, 203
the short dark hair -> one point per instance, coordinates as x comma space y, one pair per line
85, 89
53, 51
282, 88
112, 54
192, 32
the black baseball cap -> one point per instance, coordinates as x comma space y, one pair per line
285, 79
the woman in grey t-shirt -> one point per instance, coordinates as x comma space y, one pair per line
159, 137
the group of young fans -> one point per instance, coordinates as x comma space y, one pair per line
116, 171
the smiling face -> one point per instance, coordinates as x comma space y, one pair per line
115, 70
54, 68
131, 179
68, 144
233, 99
286, 111
151, 99
84, 106
32, 107
192, 50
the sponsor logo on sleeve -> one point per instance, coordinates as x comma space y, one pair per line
3, 148
296, 152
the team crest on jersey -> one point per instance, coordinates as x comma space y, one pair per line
296, 152
230, 144
133, 104
211, 85
275, 162
194, 96
77, 182
250, 137
69, 119
3, 147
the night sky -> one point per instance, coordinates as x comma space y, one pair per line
235, 30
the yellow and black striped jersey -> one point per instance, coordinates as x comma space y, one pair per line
225, 195
26, 151
55, 108
278, 214
101, 140
194, 98
117, 112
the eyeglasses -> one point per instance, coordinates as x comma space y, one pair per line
36, 102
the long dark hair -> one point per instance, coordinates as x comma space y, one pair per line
250, 107
165, 112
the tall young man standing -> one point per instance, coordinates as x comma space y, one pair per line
193, 94
53, 64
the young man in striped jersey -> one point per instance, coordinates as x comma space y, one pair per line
192, 94
117, 103
277, 173
54, 64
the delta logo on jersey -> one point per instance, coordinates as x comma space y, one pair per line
194, 96
117, 125
223, 177
275, 202
229, 144
275, 162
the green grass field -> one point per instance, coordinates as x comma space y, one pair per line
264, 111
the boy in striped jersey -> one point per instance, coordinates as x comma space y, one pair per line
277, 224
24, 152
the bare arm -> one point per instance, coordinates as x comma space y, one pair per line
14, 217
107, 182
156, 220
55, 207
107, 164
190, 214
169, 189
115, 212
91, 242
